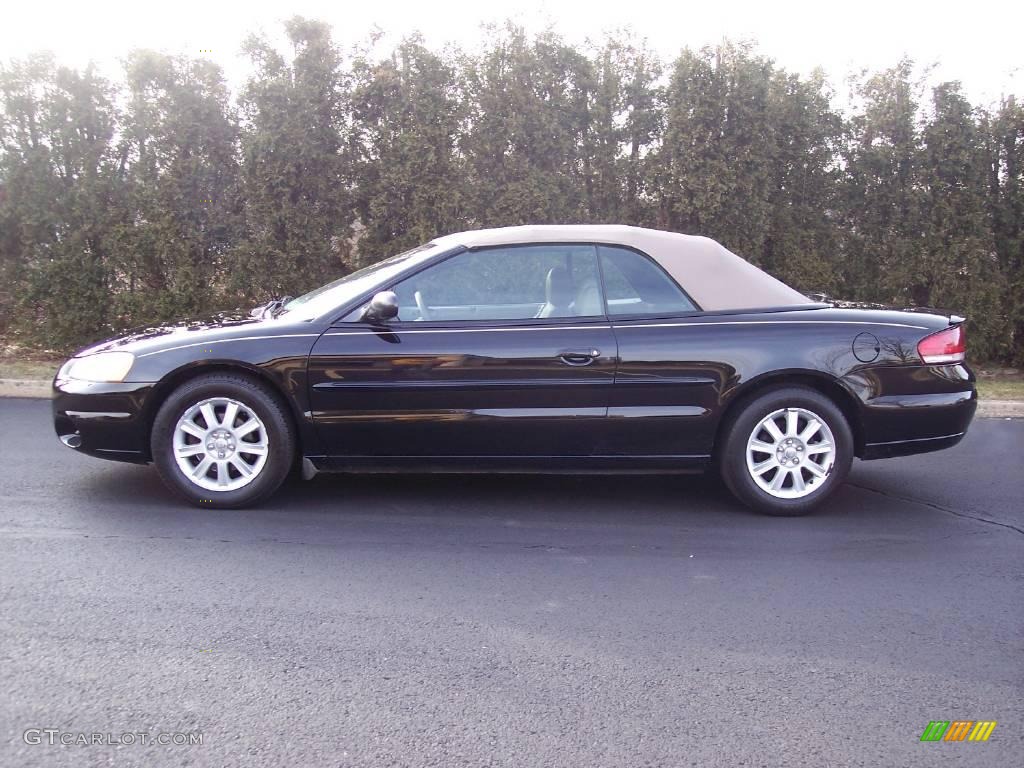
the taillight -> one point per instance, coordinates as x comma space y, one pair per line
946, 346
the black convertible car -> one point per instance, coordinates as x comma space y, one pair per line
539, 349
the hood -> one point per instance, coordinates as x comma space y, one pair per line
147, 338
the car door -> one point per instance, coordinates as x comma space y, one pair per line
668, 379
501, 351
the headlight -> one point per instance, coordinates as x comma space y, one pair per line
101, 367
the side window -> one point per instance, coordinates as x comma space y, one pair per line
506, 283
635, 285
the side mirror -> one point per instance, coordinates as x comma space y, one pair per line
382, 307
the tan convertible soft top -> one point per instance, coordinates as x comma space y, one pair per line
714, 276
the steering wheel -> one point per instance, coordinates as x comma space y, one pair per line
421, 305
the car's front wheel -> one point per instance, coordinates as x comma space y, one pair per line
223, 440
786, 451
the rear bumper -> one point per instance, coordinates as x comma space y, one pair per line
103, 420
910, 447
901, 425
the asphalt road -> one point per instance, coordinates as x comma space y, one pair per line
511, 621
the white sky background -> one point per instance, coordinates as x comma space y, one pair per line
977, 42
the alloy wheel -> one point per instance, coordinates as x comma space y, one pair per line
220, 444
790, 453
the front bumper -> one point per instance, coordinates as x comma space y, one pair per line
104, 420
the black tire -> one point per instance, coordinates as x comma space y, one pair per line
732, 453
257, 398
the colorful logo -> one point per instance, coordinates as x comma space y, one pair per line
958, 730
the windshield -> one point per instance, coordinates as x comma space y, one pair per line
327, 297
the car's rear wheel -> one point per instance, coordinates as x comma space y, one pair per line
786, 451
223, 440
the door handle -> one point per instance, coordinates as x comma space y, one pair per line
579, 356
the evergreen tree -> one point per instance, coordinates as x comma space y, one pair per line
58, 200
643, 100
158, 195
957, 266
884, 198
179, 146
527, 104
803, 236
408, 179
296, 205
1005, 187
714, 169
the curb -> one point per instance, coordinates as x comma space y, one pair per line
987, 409
25, 388
1000, 409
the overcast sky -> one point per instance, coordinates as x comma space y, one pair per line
977, 42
